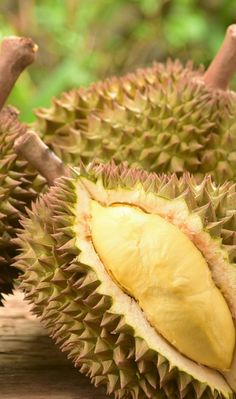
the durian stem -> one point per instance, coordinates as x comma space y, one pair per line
33, 149
16, 54
223, 67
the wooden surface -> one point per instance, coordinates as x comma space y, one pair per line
31, 366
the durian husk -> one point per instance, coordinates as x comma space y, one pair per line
19, 185
162, 118
79, 303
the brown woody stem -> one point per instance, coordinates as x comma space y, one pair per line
32, 148
223, 67
16, 54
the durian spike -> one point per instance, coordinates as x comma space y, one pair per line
33, 149
223, 66
16, 54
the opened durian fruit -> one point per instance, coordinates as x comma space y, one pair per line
133, 274
165, 118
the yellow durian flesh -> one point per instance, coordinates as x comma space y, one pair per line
159, 266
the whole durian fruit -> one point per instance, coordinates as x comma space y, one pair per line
133, 274
18, 182
168, 118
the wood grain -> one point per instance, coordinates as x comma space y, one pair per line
31, 366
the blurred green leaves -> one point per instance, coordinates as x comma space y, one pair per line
85, 40
185, 25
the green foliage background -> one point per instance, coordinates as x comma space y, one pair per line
81, 41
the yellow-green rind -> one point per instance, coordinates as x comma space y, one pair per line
66, 293
163, 119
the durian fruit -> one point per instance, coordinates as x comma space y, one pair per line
133, 274
17, 185
20, 184
167, 118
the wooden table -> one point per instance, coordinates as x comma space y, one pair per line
31, 366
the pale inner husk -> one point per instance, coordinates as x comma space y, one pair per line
167, 275
177, 212
122, 303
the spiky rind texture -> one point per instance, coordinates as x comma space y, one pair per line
163, 119
19, 185
160, 118
66, 295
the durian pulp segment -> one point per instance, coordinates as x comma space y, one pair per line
161, 268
